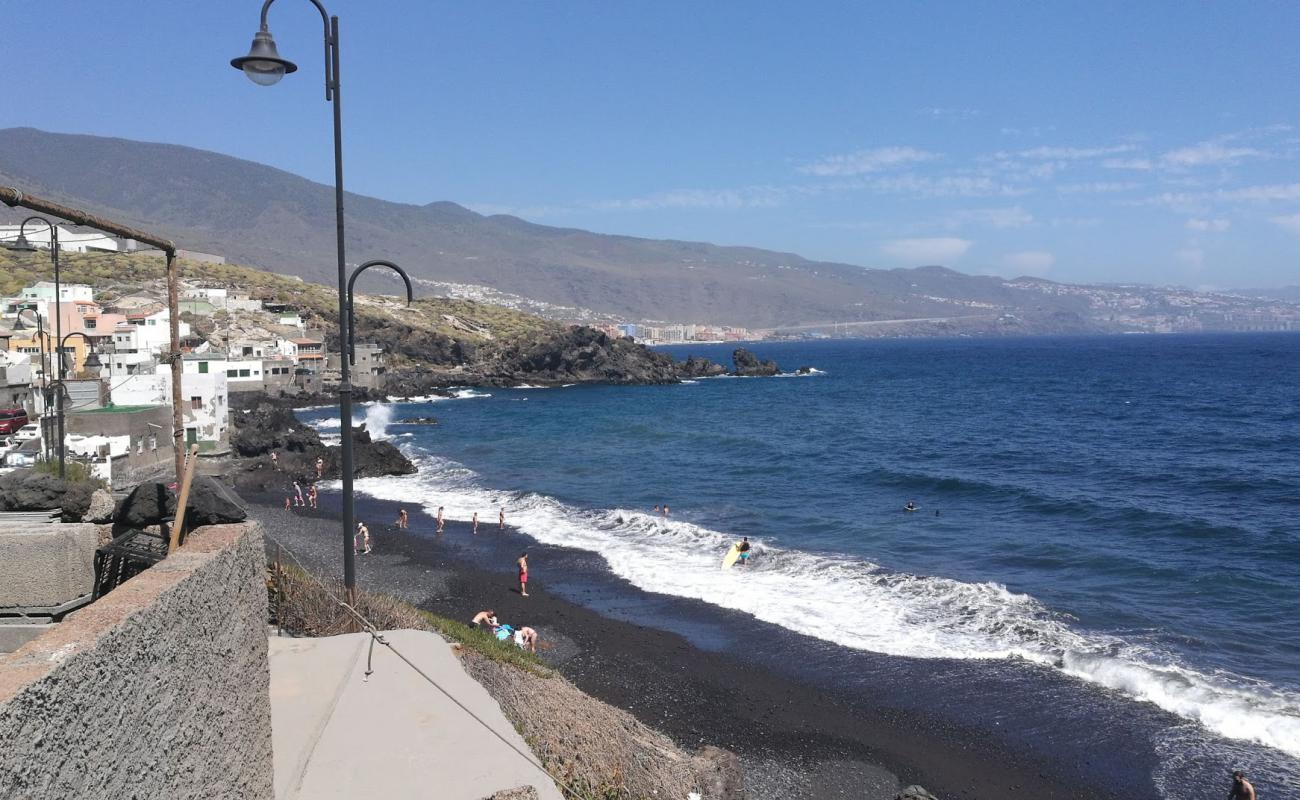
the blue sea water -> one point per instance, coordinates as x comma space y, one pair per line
1125, 510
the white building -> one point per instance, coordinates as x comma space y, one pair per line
309, 353
205, 401
153, 329
70, 241
44, 291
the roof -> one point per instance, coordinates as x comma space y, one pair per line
118, 409
307, 341
309, 355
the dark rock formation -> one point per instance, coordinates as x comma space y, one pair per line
210, 503
25, 490
270, 426
699, 367
76, 501
148, 504
582, 355
750, 365
417, 421
915, 793
805, 370
370, 459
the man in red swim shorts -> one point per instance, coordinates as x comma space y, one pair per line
523, 574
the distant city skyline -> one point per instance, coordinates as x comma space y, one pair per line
1096, 142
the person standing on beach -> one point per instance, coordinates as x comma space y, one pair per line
313, 496
440, 523
1241, 788
474, 522
402, 518
297, 491
364, 534
743, 547
320, 466
523, 573
275, 460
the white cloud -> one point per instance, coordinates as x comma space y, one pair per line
1030, 262
1128, 163
950, 113
1013, 217
1208, 154
1208, 225
943, 186
927, 251
1096, 187
864, 161
1192, 256
1277, 191
1074, 153
1290, 222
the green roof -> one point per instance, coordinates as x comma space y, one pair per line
117, 409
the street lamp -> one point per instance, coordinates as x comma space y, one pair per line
92, 360
24, 246
264, 66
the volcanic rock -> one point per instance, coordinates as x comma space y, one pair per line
210, 503
101, 507
26, 490
915, 793
750, 365
148, 504
700, 367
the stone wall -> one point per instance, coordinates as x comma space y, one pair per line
159, 689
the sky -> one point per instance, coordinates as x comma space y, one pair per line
1152, 142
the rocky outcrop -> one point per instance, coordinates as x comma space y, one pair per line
582, 355
25, 490
268, 427
589, 743
101, 508
147, 504
700, 367
416, 421
750, 365
915, 793
210, 503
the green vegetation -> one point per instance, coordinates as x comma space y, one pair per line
74, 472
302, 606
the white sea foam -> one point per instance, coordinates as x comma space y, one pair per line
858, 604
376, 417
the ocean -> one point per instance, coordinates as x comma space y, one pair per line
1121, 514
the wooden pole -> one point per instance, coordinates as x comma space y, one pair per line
183, 499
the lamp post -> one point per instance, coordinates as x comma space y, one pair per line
22, 245
45, 375
91, 360
264, 66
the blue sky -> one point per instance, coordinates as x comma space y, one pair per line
1154, 142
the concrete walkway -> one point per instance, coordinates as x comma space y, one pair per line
337, 735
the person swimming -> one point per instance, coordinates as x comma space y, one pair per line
910, 506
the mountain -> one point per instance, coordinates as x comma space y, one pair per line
254, 214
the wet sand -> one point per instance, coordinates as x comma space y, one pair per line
796, 738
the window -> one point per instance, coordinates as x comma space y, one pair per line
248, 351
153, 441
203, 367
196, 403
153, 322
232, 373
243, 373
89, 323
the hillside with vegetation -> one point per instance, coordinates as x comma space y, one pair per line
433, 342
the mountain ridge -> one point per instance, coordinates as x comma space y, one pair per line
253, 213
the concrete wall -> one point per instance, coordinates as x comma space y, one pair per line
159, 689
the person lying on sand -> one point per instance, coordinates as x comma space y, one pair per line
485, 619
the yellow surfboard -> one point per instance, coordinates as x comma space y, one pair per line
731, 556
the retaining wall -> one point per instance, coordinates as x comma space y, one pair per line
159, 689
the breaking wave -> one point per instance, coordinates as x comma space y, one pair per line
856, 603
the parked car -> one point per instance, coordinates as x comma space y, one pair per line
28, 432
11, 419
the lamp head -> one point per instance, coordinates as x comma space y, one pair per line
92, 361
22, 245
263, 64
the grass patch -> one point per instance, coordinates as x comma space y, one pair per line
302, 607
74, 472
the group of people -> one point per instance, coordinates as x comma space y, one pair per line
524, 637
441, 520
662, 510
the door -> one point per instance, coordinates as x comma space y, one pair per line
191, 435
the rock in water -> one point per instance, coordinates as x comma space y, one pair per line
915, 793
101, 507
699, 367
211, 503
148, 504
750, 365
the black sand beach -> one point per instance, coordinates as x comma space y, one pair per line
796, 738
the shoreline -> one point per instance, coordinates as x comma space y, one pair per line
795, 739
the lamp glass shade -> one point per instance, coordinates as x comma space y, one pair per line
92, 361
263, 64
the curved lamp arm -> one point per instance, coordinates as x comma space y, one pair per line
58, 353
356, 273
331, 42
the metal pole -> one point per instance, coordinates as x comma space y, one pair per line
174, 325
58, 337
345, 377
